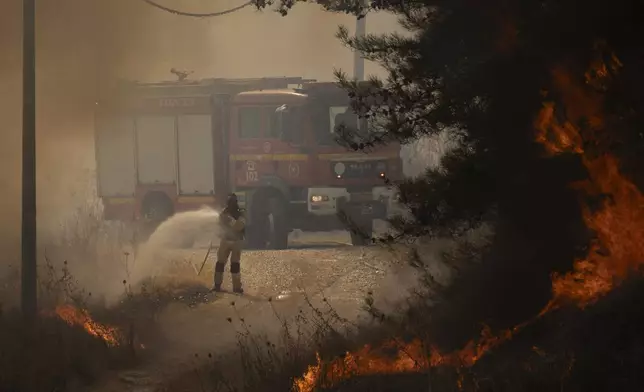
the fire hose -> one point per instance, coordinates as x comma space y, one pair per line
205, 258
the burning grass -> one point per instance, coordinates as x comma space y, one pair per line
80, 317
77, 343
49, 354
64, 349
77, 339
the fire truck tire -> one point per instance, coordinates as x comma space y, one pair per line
269, 229
254, 237
362, 234
278, 227
157, 207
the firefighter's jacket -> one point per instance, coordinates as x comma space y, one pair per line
233, 224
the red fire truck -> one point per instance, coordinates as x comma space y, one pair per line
174, 146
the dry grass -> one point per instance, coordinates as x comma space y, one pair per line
48, 354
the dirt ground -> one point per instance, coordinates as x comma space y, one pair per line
321, 267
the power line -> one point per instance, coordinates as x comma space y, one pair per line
196, 15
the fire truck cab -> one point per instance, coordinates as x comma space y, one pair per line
175, 146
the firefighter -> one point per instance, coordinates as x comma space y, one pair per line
232, 224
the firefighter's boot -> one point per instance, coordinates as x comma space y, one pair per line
235, 266
236, 277
219, 275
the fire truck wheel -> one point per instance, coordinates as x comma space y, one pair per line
157, 207
269, 229
277, 225
362, 236
254, 236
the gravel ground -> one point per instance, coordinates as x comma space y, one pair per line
341, 273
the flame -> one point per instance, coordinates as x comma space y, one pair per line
80, 317
410, 357
619, 246
618, 249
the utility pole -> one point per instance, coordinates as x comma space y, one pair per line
358, 60
29, 286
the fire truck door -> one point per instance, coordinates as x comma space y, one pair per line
156, 149
288, 137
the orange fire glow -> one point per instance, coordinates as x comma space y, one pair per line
618, 249
74, 316
410, 357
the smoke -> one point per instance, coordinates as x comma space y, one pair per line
84, 46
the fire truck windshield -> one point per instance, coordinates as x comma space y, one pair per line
342, 116
326, 119
288, 120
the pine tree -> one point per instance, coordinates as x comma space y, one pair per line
480, 71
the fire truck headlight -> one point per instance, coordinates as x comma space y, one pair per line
319, 198
339, 168
382, 175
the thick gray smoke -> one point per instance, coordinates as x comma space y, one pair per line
85, 45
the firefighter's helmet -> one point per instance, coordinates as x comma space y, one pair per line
231, 202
